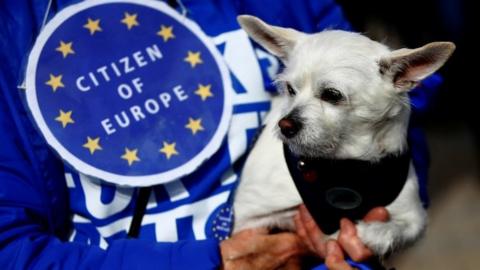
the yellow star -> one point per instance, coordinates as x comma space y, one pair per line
65, 118
65, 48
204, 91
193, 58
130, 156
93, 26
166, 32
93, 144
130, 20
55, 82
194, 125
169, 150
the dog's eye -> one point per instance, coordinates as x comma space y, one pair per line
331, 95
290, 90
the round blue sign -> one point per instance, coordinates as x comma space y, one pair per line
128, 91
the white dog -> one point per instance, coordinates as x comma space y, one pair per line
344, 97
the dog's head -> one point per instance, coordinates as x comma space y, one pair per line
346, 95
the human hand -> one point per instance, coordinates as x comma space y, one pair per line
256, 249
347, 241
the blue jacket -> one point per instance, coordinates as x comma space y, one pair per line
36, 206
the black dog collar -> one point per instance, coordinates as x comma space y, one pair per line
333, 189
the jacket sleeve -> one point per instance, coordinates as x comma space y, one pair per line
25, 244
421, 97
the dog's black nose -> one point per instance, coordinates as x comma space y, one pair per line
289, 126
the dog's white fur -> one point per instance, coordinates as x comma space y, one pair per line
369, 123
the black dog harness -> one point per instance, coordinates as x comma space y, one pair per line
332, 189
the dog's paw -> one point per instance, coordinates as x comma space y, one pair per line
387, 237
378, 236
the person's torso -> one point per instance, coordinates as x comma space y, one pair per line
196, 206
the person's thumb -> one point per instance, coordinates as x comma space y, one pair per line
377, 214
335, 259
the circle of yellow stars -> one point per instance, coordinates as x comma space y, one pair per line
92, 144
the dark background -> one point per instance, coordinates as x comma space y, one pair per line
414, 23
452, 240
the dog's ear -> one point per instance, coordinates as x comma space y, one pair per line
407, 67
277, 40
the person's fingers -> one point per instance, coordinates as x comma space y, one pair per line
277, 250
302, 233
254, 250
243, 243
284, 244
351, 243
266, 261
231, 249
253, 231
333, 249
317, 237
236, 265
377, 214
334, 257
294, 263
333, 263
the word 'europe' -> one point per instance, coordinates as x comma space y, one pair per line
139, 112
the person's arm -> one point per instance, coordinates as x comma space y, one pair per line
27, 236
421, 97
26, 244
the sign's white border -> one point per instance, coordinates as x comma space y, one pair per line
145, 180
